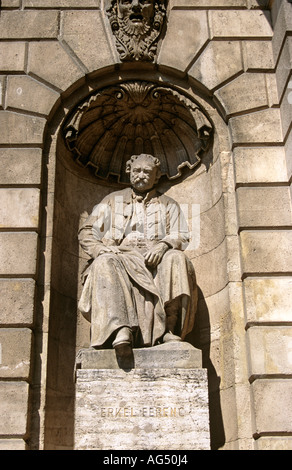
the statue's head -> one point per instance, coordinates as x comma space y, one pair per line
144, 171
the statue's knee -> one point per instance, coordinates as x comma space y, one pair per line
104, 261
174, 255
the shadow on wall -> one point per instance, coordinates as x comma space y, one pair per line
200, 338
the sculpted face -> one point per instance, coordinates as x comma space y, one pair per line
137, 12
143, 174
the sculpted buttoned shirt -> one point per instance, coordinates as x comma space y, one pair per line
125, 218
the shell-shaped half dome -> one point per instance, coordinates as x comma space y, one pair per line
137, 117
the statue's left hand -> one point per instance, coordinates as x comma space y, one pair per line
154, 256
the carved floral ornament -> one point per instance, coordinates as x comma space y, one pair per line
136, 26
137, 117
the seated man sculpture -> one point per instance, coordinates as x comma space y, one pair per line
139, 288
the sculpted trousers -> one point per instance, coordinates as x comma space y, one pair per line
113, 296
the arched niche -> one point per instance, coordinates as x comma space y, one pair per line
190, 177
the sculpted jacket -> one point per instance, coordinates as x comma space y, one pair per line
133, 225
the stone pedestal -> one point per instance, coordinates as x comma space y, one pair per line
161, 404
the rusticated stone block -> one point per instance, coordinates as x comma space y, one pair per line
246, 92
58, 69
259, 127
84, 32
20, 166
12, 444
272, 415
207, 3
12, 56
268, 299
20, 128
270, 350
260, 165
29, 24
218, 62
258, 55
284, 65
27, 94
266, 251
61, 4
264, 207
15, 348
274, 443
187, 32
13, 408
17, 301
19, 208
240, 23
18, 253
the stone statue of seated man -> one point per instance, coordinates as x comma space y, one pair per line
139, 287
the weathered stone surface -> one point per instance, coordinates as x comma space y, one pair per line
18, 253
211, 270
264, 207
207, 3
27, 94
17, 301
19, 208
252, 23
266, 251
268, 299
49, 61
261, 127
20, 166
61, 4
2, 85
284, 65
15, 348
12, 56
258, 55
260, 165
12, 444
218, 62
167, 355
10, 3
268, 395
83, 31
187, 32
244, 93
20, 128
157, 409
274, 443
270, 350
29, 24
13, 408
283, 24
286, 110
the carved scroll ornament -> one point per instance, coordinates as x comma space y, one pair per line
137, 117
136, 25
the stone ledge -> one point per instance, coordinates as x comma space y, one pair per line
169, 355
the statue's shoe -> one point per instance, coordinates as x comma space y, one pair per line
168, 337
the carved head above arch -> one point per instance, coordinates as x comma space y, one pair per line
136, 25
137, 117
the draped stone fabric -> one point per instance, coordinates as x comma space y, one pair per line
119, 289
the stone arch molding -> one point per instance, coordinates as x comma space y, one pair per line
137, 117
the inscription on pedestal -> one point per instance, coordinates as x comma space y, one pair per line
142, 409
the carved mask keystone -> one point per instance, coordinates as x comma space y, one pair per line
137, 25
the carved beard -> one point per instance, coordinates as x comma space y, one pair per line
134, 29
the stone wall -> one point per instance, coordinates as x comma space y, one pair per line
234, 58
